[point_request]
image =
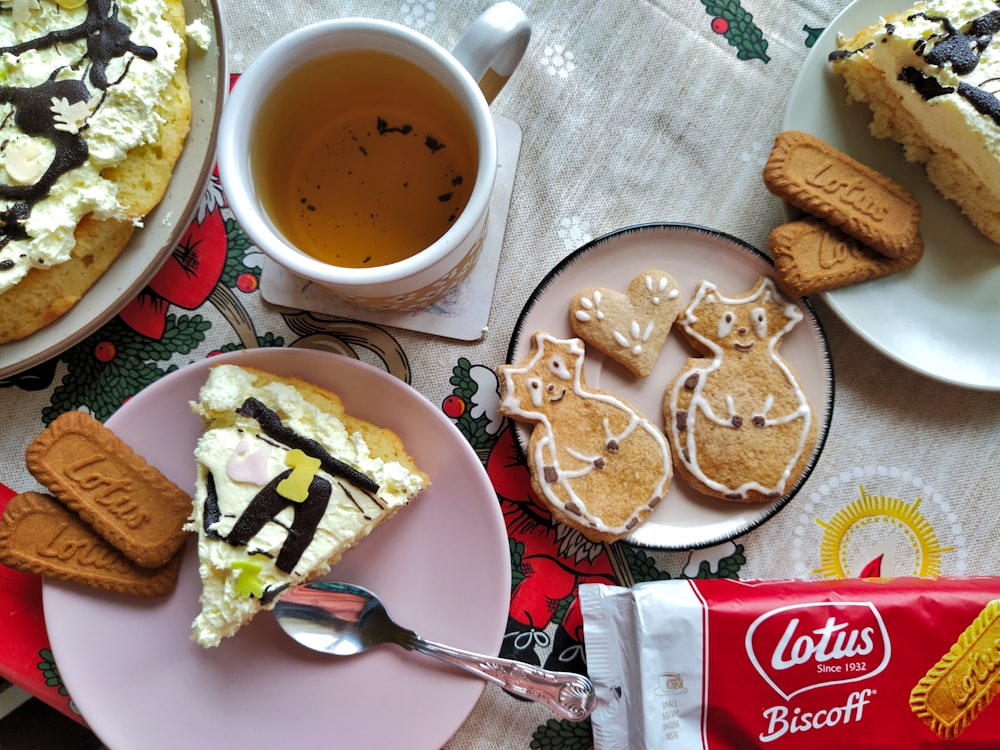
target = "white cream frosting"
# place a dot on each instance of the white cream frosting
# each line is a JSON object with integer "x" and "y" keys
{"x": 234, "y": 453}
{"x": 949, "y": 118}
{"x": 122, "y": 121}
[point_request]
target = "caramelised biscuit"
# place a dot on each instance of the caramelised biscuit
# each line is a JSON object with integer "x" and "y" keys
{"x": 810, "y": 256}
{"x": 964, "y": 681}
{"x": 96, "y": 474}
{"x": 40, "y": 535}
{"x": 823, "y": 181}
{"x": 628, "y": 327}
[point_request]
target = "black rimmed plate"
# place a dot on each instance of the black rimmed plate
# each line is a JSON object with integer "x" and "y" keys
{"x": 685, "y": 519}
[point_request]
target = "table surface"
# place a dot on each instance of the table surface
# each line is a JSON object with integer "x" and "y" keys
{"x": 630, "y": 112}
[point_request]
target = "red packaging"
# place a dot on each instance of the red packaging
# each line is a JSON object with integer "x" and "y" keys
{"x": 856, "y": 664}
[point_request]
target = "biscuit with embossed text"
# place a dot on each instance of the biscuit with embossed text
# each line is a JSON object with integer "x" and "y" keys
{"x": 40, "y": 535}
{"x": 97, "y": 475}
{"x": 810, "y": 256}
{"x": 823, "y": 181}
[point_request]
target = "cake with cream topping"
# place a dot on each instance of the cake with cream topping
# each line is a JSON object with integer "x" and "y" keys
{"x": 96, "y": 108}
{"x": 287, "y": 482}
{"x": 930, "y": 75}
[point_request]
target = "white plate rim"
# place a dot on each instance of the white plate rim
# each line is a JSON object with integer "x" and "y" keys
{"x": 767, "y": 510}
{"x": 60, "y": 599}
{"x": 817, "y": 104}
{"x": 150, "y": 245}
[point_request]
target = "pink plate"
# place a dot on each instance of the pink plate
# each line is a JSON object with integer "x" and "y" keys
{"x": 442, "y": 567}
{"x": 691, "y": 254}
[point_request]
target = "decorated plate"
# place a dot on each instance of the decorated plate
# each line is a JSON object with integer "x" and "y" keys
{"x": 685, "y": 519}
{"x": 940, "y": 317}
{"x": 441, "y": 566}
{"x": 151, "y": 245}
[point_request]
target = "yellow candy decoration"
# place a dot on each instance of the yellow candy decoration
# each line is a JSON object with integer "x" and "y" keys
{"x": 247, "y": 581}
{"x": 70, "y": 4}
{"x": 295, "y": 486}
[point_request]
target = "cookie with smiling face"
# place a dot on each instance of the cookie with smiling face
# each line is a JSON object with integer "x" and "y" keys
{"x": 599, "y": 464}
{"x": 739, "y": 423}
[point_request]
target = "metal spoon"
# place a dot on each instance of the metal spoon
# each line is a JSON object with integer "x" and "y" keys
{"x": 344, "y": 619}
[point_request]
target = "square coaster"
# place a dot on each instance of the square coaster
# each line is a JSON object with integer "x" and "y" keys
{"x": 461, "y": 314}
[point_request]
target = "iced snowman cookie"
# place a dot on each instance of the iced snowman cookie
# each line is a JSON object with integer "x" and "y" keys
{"x": 739, "y": 422}
{"x": 598, "y": 463}
{"x": 631, "y": 327}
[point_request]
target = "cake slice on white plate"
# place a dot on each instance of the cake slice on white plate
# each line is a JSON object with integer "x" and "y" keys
{"x": 930, "y": 75}
{"x": 286, "y": 483}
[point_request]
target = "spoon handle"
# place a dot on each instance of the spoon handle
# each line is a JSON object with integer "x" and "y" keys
{"x": 567, "y": 694}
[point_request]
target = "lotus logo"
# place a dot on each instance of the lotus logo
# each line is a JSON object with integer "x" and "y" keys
{"x": 806, "y": 646}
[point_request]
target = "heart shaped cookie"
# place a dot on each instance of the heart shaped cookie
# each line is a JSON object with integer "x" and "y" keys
{"x": 629, "y": 328}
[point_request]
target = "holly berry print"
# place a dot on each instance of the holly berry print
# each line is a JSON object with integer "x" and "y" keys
{"x": 732, "y": 21}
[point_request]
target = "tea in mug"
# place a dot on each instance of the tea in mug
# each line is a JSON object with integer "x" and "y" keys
{"x": 363, "y": 159}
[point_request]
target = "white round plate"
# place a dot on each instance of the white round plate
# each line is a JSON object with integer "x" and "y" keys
{"x": 685, "y": 519}
{"x": 150, "y": 245}
{"x": 940, "y": 317}
{"x": 442, "y": 567}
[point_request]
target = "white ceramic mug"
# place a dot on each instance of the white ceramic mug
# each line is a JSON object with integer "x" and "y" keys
{"x": 473, "y": 73}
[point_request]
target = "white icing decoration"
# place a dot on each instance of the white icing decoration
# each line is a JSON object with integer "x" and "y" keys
{"x": 707, "y": 293}
{"x": 726, "y": 324}
{"x": 759, "y": 316}
{"x": 546, "y": 448}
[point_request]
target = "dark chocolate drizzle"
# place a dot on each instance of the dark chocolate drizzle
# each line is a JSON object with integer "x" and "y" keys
{"x": 106, "y": 38}
{"x": 927, "y": 86}
{"x": 210, "y": 514}
{"x": 983, "y": 101}
{"x": 268, "y": 503}
{"x": 963, "y": 49}
{"x": 272, "y": 426}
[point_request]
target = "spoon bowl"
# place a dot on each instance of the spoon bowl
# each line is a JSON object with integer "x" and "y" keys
{"x": 343, "y": 619}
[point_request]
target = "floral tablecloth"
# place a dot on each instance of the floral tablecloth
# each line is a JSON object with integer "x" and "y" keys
{"x": 630, "y": 111}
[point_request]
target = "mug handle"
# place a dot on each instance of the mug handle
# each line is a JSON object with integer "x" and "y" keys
{"x": 493, "y": 45}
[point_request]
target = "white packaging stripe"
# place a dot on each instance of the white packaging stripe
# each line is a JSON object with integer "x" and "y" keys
{"x": 663, "y": 632}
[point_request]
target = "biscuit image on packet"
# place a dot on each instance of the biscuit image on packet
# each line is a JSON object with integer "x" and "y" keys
{"x": 964, "y": 682}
